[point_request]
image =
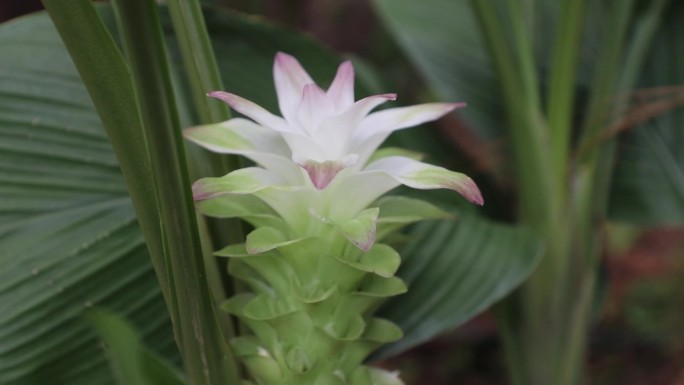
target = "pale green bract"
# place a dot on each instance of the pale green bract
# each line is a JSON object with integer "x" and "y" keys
{"x": 314, "y": 264}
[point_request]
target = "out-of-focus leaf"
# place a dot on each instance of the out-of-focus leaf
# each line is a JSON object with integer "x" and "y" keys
{"x": 68, "y": 235}
{"x": 648, "y": 185}
{"x": 442, "y": 39}
{"x": 131, "y": 362}
{"x": 454, "y": 270}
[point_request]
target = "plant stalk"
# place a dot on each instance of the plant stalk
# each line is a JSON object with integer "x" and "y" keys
{"x": 195, "y": 324}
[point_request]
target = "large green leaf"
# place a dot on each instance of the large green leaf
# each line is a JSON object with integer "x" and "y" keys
{"x": 68, "y": 235}
{"x": 454, "y": 270}
{"x": 648, "y": 186}
{"x": 442, "y": 39}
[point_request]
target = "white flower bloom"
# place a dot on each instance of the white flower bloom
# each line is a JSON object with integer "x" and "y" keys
{"x": 321, "y": 146}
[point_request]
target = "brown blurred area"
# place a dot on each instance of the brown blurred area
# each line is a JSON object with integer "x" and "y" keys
{"x": 9, "y": 9}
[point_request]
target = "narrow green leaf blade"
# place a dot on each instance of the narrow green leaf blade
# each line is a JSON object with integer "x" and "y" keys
{"x": 131, "y": 362}
{"x": 648, "y": 184}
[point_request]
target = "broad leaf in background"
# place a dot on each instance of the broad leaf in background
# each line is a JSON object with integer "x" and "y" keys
{"x": 648, "y": 186}
{"x": 454, "y": 270}
{"x": 68, "y": 235}
{"x": 442, "y": 39}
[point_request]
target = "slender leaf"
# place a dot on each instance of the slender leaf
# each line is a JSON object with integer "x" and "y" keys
{"x": 131, "y": 362}
{"x": 648, "y": 186}
{"x": 194, "y": 317}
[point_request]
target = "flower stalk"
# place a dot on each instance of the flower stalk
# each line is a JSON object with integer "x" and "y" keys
{"x": 315, "y": 264}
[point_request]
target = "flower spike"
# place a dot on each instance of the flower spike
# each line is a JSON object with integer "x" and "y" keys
{"x": 315, "y": 263}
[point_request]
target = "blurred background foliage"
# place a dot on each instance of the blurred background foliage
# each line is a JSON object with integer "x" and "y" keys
{"x": 638, "y": 338}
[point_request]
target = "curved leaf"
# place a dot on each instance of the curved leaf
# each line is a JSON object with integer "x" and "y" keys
{"x": 442, "y": 40}
{"x": 68, "y": 233}
{"x": 454, "y": 270}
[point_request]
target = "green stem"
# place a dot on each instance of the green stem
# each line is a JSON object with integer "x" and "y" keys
{"x": 602, "y": 103}
{"x": 562, "y": 90}
{"x": 646, "y": 28}
{"x": 527, "y": 130}
{"x": 195, "y": 325}
{"x": 594, "y": 173}
{"x": 203, "y": 75}
{"x": 522, "y": 25}
{"x": 198, "y": 59}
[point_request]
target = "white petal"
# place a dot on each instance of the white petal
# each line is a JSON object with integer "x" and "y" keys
{"x": 291, "y": 203}
{"x": 368, "y": 147}
{"x": 238, "y": 136}
{"x": 403, "y": 117}
{"x": 425, "y": 176}
{"x": 294, "y": 205}
{"x": 376, "y": 127}
{"x": 243, "y": 181}
{"x": 337, "y": 131}
{"x": 352, "y": 191}
{"x": 251, "y": 110}
{"x": 290, "y": 79}
{"x": 314, "y": 108}
{"x": 341, "y": 91}
{"x": 304, "y": 147}
{"x": 242, "y": 137}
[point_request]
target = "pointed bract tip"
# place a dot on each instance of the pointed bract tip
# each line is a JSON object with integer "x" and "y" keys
{"x": 366, "y": 244}
{"x": 472, "y": 193}
{"x": 346, "y": 69}
{"x": 226, "y": 97}
{"x": 280, "y": 55}
{"x": 187, "y": 132}
{"x": 198, "y": 193}
{"x": 284, "y": 59}
{"x": 454, "y": 106}
{"x": 220, "y": 95}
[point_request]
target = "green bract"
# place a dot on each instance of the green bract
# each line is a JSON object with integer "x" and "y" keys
{"x": 314, "y": 264}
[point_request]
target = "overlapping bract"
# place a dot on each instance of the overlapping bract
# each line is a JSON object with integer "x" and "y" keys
{"x": 314, "y": 264}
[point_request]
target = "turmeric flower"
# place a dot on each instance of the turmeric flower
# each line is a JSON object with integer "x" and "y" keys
{"x": 323, "y": 147}
{"x": 314, "y": 264}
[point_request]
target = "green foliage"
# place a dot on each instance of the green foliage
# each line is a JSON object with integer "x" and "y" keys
{"x": 69, "y": 237}
{"x": 68, "y": 233}
{"x": 454, "y": 270}
{"x": 648, "y": 185}
{"x": 441, "y": 40}
{"x": 556, "y": 67}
